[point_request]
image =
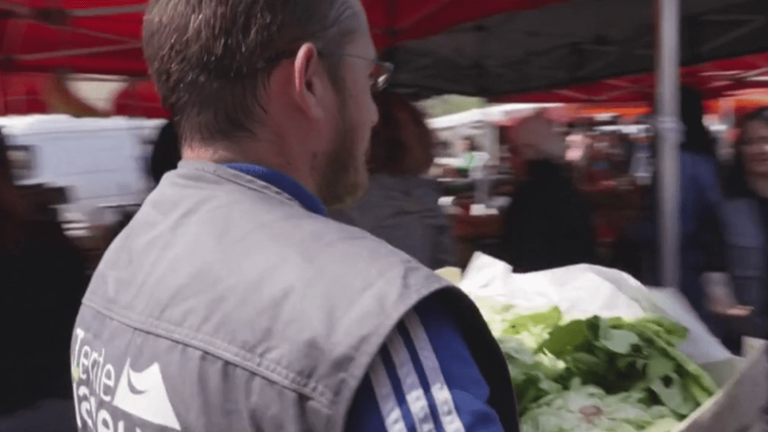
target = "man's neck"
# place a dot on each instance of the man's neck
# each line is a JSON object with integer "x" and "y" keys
{"x": 759, "y": 185}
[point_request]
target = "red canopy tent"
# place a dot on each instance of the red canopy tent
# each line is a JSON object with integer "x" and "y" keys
{"x": 21, "y": 95}
{"x": 139, "y": 99}
{"x": 395, "y": 21}
{"x": 104, "y": 37}
{"x": 716, "y": 79}
{"x": 575, "y": 43}
{"x": 96, "y": 36}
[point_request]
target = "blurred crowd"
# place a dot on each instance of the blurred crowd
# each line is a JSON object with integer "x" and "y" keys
{"x": 559, "y": 195}
{"x": 587, "y": 192}
{"x": 44, "y": 273}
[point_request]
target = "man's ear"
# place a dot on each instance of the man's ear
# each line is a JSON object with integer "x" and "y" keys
{"x": 310, "y": 80}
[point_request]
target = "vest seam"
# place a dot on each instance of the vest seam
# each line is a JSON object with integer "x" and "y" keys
{"x": 231, "y": 355}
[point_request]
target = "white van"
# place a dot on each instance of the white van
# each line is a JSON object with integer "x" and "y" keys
{"x": 100, "y": 161}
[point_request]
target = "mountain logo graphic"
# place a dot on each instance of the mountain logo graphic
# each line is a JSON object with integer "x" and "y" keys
{"x": 143, "y": 394}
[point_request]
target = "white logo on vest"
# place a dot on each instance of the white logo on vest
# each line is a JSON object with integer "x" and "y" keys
{"x": 142, "y": 394}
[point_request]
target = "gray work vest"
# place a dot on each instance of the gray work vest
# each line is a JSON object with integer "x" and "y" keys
{"x": 224, "y": 306}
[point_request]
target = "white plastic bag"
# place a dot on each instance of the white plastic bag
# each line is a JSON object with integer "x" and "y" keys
{"x": 584, "y": 290}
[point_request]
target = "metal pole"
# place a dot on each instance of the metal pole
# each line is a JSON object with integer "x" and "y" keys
{"x": 668, "y": 138}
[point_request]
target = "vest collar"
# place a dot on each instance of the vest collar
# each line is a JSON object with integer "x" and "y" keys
{"x": 282, "y": 182}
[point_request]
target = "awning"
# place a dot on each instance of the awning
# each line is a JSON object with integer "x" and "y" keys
{"x": 737, "y": 106}
{"x": 514, "y": 50}
{"x": 396, "y": 21}
{"x": 87, "y": 36}
{"x": 716, "y": 79}
{"x": 104, "y": 36}
{"x": 139, "y": 99}
{"x": 580, "y": 46}
{"x": 22, "y": 95}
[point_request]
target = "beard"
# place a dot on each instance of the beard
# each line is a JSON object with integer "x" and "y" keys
{"x": 344, "y": 175}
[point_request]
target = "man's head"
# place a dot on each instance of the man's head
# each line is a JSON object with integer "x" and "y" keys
{"x": 534, "y": 138}
{"x": 283, "y": 83}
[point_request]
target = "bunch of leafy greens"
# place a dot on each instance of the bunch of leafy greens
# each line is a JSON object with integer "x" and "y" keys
{"x": 589, "y": 408}
{"x": 632, "y": 371}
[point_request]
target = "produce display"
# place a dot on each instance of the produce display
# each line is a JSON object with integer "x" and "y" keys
{"x": 597, "y": 374}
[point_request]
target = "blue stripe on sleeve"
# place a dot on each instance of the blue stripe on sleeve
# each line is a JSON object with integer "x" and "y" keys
{"x": 386, "y": 357}
{"x": 466, "y": 387}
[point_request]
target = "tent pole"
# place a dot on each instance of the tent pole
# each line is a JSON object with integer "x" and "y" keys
{"x": 668, "y": 138}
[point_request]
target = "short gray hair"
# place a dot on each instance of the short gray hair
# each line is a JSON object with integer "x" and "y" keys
{"x": 211, "y": 59}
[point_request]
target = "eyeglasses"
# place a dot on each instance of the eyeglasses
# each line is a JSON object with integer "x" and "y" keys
{"x": 381, "y": 74}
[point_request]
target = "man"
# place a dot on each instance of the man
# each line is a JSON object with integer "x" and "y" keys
{"x": 230, "y": 302}
{"x": 549, "y": 224}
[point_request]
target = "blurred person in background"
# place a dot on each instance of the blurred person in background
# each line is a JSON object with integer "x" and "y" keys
{"x": 700, "y": 201}
{"x": 624, "y": 152}
{"x": 401, "y": 205}
{"x": 600, "y": 173}
{"x": 43, "y": 278}
{"x": 473, "y": 158}
{"x": 577, "y": 156}
{"x": 576, "y": 148}
{"x": 699, "y": 212}
{"x": 165, "y": 157}
{"x": 745, "y": 222}
{"x": 166, "y": 153}
{"x": 548, "y": 224}
{"x": 641, "y": 166}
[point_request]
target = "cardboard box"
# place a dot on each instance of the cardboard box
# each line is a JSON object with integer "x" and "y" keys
{"x": 740, "y": 404}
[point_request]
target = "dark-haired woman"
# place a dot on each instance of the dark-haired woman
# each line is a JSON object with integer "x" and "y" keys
{"x": 401, "y": 205}
{"x": 745, "y": 219}
{"x": 42, "y": 280}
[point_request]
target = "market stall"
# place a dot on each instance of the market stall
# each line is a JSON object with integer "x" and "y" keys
{"x": 557, "y": 44}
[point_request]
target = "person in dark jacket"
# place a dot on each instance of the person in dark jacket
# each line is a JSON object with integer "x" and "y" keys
{"x": 166, "y": 153}
{"x": 42, "y": 281}
{"x": 548, "y": 224}
{"x": 700, "y": 201}
{"x": 745, "y": 222}
{"x": 165, "y": 157}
